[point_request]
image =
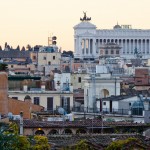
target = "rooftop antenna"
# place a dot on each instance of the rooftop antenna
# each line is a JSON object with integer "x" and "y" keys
{"x": 50, "y": 39}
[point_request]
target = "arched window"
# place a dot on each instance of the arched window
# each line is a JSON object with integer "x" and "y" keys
{"x": 39, "y": 132}
{"x": 53, "y": 131}
{"x": 67, "y": 131}
{"x": 105, "y": 93}
{"x": 82, "y": 131}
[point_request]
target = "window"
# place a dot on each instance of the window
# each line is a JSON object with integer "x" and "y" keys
{"x": 65, "y": 103}
{"x": 117, "y": 51}
{"x": 79, "y": 79}
{"x": 104, "y": 103}
{"x": 129, "y": 104}
{"x": 15, "y": 98}
{"x": 106, "y": 52}
{"x": 44, "y": 58}
{"x": 50, "y": 103}
{"x": 36, "y": 100}
{"x": 49, "y": 63}
{"x": 34, "y": 57}
{"x": 53, "y": 57}
{"x": 112, "y": 52}
{"x": 12, "y": 66}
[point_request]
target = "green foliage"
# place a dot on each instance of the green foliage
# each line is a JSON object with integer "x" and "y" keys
{"x": 119, "y": 145}
{"x": 22, "y": 143}
{"x": 3, "y": 67}
{"x": 81, "y": 145}
{"x": 41, "y": 143}
{"x": 13, "y": 128}
{"x": 7, "y": 138}
{"x": 11, "y": 140}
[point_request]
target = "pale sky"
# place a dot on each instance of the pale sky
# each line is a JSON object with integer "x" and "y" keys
{"x": 25, "y": 22}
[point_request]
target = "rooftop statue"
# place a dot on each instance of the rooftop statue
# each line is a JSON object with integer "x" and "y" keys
{"x": 85, "y": 18}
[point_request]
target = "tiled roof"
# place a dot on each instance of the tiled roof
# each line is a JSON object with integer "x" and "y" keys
{"x": 14, "y": 54}
{"x": 84, "y": 123}
{"x": 99, "y": 141}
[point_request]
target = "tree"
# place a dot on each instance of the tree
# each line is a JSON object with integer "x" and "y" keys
{"x": 3, "y": 67}
{"x": 0, "y": 48}
{"x": 22, "y": 143}
{"x": 69, "y": 53}
{"x": 23, "y": 48}
{"x": 8, "y": 46}
{"x": 18, "y": 48}
{"x": 28, "y": 47}
{"x": 7, "y": 137}
{"x": 130, "y": 143}
{"x": 5, "y": 45}
{"x": 81, "y": 145}
{"x": 41, "y": 143}
{"x": 11, "y": 140}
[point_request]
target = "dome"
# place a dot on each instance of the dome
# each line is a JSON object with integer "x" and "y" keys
{"x": 27, "y": 97}
{"x": 85, "y": 24}
{"x": 117, "y": 26}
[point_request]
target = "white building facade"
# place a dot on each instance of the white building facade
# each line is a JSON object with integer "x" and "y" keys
{"x": 88, "y": 40}
{"x": 99, "y": 86}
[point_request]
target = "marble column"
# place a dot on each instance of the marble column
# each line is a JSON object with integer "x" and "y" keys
{"x": 142, "y": 46}
{"x": 94, "y": 48}
{"x": 89, "y": 47}
{"x": 125, "y": 46}
{"x": 84, "y": 47}
{"x": 130, "y": 46}
{"x": 133, "y": 45}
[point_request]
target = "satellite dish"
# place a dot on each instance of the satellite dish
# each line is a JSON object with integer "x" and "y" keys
{"x": 61, "y": 110}
{"x": 10, "y": 115}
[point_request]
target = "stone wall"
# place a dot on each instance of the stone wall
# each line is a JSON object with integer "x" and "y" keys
{"x": 3, "y": 93}
{"x": 15, "y": 106}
